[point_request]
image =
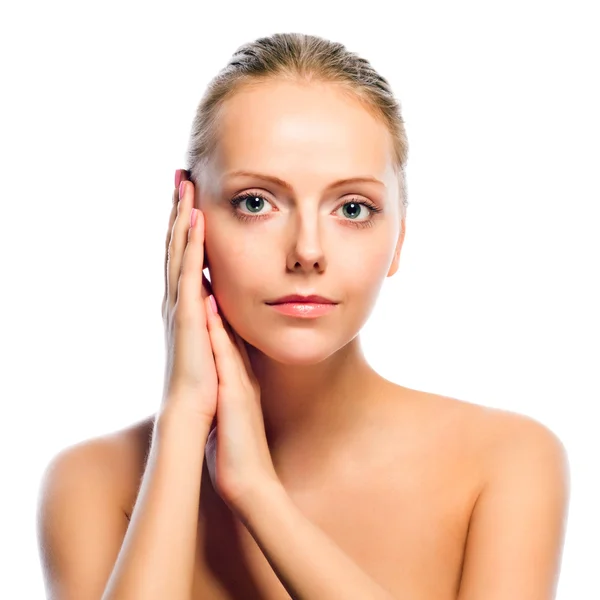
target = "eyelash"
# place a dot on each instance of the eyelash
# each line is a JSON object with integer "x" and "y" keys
{"x": 244, "y": 217}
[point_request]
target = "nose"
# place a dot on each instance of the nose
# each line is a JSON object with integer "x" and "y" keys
{"x": 306, "y": 251}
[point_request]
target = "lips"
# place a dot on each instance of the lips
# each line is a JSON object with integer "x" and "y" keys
{"x": 303, "y": 299}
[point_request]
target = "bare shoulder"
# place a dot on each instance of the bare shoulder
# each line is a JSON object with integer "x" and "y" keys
{"x": 480, "y": 441}
{"x": 81, "y": 520}
{"x": 506, "y": 433}
{"x": 128, "y": 449}
{"x": 520, "y": 445}
{"x": 502, "y": 438}
{"x": 493, "y": 426}
{"x": 520, "y": 511}
{"x": 116, "y": 460}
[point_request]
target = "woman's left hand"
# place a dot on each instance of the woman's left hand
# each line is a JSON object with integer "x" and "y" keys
{"x": 237, "y": 453}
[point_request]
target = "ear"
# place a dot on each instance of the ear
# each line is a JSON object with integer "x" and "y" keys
{"x": 396, "y": 259}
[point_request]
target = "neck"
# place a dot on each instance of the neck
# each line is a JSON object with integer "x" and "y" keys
{"x": 309, "y": 410}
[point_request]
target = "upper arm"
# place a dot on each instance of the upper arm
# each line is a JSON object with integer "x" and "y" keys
{"x": 80, "y": 522}
{"x": 517, "y": 528}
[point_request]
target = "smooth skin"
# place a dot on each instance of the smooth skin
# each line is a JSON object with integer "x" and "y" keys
{"x": 427, "y": 496}
{"x": 190, "y": 372}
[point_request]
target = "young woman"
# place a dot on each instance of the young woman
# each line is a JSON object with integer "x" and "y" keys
{"x": 280, "y": 463}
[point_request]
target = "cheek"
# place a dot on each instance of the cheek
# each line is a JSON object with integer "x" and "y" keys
{"x": 370, "y": 265}
{"x": 234, "y": 264}
{"x": 362, "y": 277}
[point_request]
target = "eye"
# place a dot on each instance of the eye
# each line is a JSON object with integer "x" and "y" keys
{"x": 354, "y": 207}
{"x": 255, "y": 201}
{"x": 252, "y": 200}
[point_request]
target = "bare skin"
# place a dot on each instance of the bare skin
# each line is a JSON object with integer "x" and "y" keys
{"x": 398, "y": 500}
{"x": 434, "y": 498}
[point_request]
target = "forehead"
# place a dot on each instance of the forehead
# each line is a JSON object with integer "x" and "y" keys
{"x": 284, "y": 128}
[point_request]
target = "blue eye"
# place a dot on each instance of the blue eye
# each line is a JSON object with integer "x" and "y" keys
{"x": 255, "y": 201}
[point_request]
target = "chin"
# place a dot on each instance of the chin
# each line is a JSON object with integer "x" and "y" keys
{"x": 301, "y": 348}
{"x": 305, "y": 359}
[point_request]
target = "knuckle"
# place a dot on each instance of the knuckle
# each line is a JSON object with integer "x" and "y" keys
{"x": 184, "y": 315}
{"x": 187, "y": 268}
{"x": 173, "y": 246}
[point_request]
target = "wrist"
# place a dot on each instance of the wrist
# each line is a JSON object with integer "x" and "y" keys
{"x": 173, "y": 417}
{"x": 261, "y": 495}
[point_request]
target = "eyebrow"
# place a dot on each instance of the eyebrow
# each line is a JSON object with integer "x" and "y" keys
{"x": 287, "y": 186}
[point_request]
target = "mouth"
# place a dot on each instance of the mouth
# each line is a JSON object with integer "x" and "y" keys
{"x": 300, "y": 299}
{"x": 304, "y": 310}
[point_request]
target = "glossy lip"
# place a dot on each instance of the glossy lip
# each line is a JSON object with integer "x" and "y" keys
{"x": 301, "y": 299}
{"x": 306, "y": 310}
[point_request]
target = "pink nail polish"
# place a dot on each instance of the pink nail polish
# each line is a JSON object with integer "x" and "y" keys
{"x": 177, "y": 177}
{"x": 213, "y": 304}
{"x": 181, "y": 189}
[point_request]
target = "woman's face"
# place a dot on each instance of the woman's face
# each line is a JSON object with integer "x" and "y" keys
{"x": 306, "y": 238}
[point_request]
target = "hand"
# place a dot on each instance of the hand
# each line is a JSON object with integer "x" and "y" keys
{"x": 190, "y": 372}
{"x": 237, "y": 453}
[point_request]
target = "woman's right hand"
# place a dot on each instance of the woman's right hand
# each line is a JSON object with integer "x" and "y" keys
{"x": 190, "y": 372}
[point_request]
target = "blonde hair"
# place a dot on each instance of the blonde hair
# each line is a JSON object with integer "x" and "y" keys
{"x": 300, "y": 58}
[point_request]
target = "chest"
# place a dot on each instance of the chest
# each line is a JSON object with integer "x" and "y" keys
{"x": 404, "y": 525}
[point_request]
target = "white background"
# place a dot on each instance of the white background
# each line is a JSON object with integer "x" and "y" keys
{"x": 496, "y": 300}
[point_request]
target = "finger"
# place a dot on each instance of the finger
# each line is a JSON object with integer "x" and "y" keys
{"x": 172, "y": 218}
{"x": 227, "y": 359}
{"x": 235, "y": 339}
{"x": 237, "y": 345}
{"x": 190, "y": 276}
{"x": 238, "y": 342}
{"x": 184, "y": 175}
{"x": 241, "y": 345}
{"x": 175, "y": 248}
{"x": 180, "y": 240}
{"x": 180, "y": 175}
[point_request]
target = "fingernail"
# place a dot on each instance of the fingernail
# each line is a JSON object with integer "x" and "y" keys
{"x": 193, "y": 217}
{"x": 213, "y": 304}
{"x": 177, "y": 177}
{"x": 181, "y": 189}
